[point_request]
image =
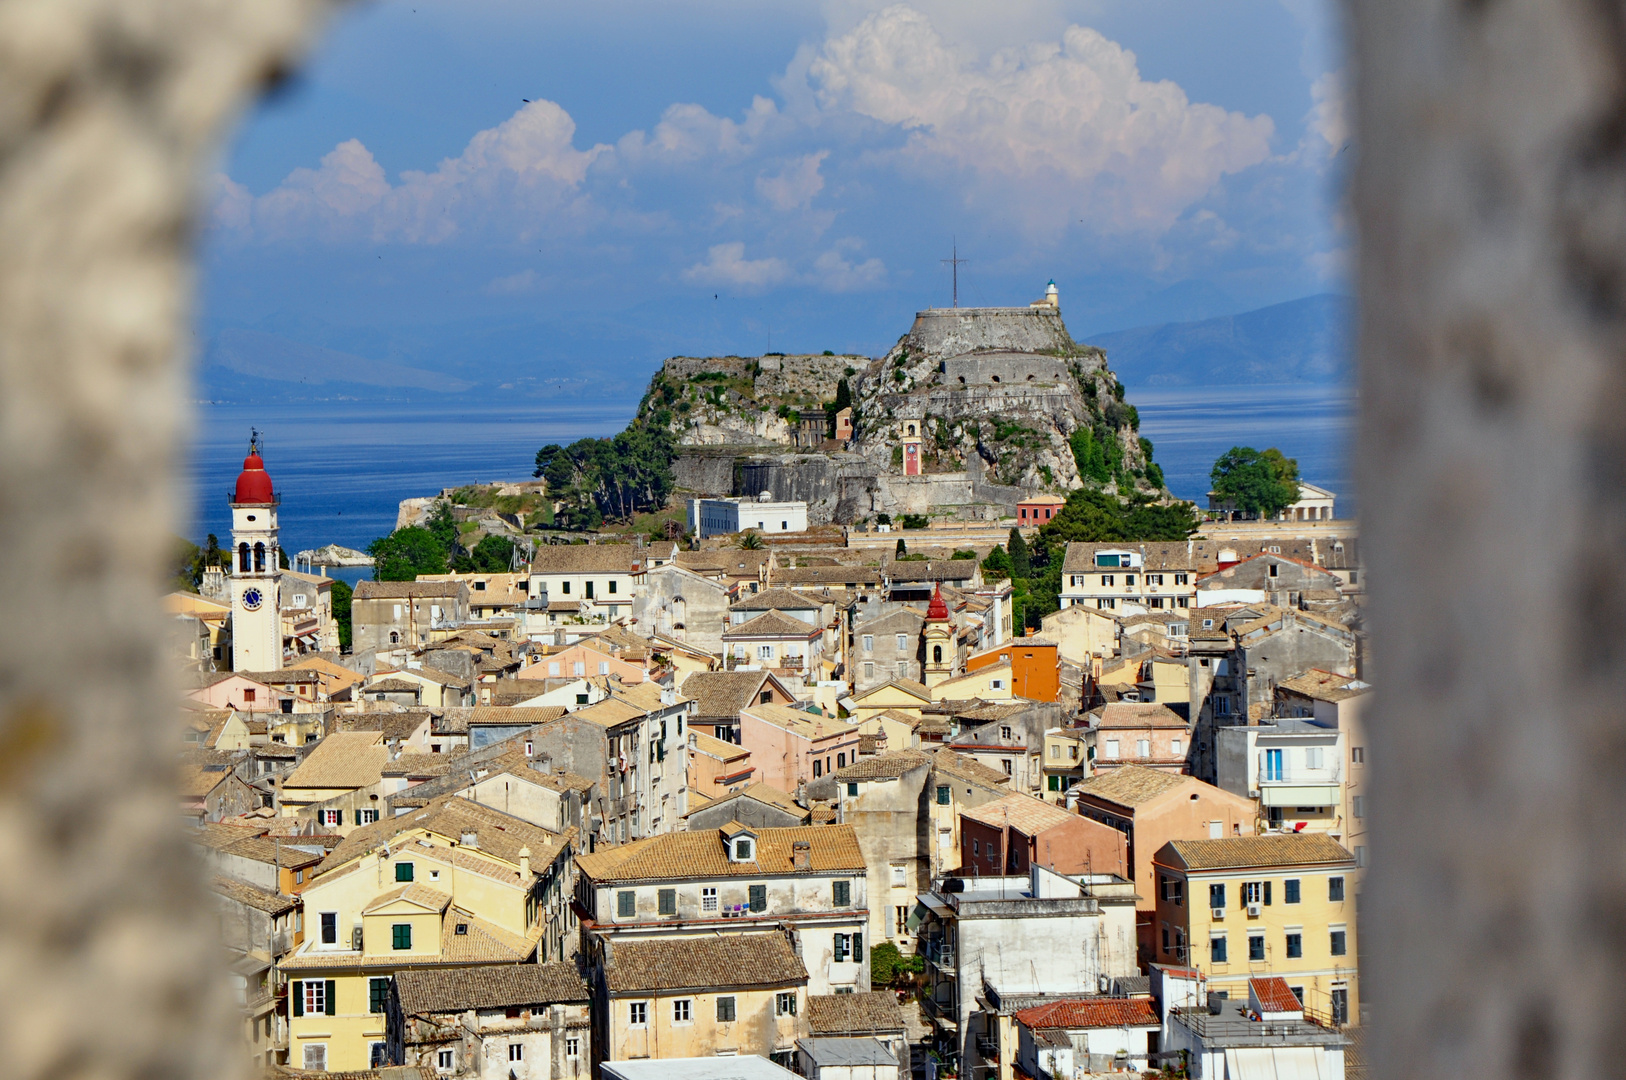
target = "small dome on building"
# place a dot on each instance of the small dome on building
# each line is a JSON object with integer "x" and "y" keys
{"x": 253, "y": 483}
{"x": 937, "y": 610}
{"x": 764, "y": 496}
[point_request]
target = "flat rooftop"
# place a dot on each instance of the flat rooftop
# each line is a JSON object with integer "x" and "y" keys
{"x": 742, "y": 1067}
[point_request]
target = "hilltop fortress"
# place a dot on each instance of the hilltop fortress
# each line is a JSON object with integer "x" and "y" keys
{"x": 971, "y": 410}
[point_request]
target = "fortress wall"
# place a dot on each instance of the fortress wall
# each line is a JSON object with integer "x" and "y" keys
{"x": 1001, "y": 368}
{"x": 952, "y": 331}
{"x": 705, "y": 471}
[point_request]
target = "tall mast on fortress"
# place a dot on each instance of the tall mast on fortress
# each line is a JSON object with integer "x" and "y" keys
{"x": 955, "y": 262}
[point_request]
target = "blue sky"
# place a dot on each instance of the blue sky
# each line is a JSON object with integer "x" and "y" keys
{"x": 724, "y": 176}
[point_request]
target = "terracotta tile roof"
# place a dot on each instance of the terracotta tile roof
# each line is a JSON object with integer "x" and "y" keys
{"x": 913, "y": 688}
{"x": 481, "y": 941}
{"x": 1326, "y": 685}
{"x": 772, "y": 624}
{"x": 497, "y": 834}
{"x": 806, "y": 724}
{"x": 434, "y": 675}
{"x": 394, "y": 726}
{"x": 883, "y": 766}
{"x": 701, "y": 854}
{"x": 590, "y": 559}
{"x": 1132, "y": 785}
{"x": 1024, "y": 813}
{"x": 420, "y": 766}
{"x": 1273, "y": 994}
{"x": 392, "y": 685}
{"x": 701, "y": 743}
{"x": 421, "y": 895}
{"x": 495, "y": 986}
{"x": 777, "y": 599}
{"x": 196, "y": 781}
{"x": 850, "y": 576}
{"x": 1245, "y": 852}
{"x": 399, "y": 590}
{"x": 964, "y": 768}
{"x": 344, "y": 759}
{"x": 1140, "y": 715}
{"x": 725, "y": 961}
{"x": 259, "y": 899}
{"x": 722, "y": 694}
{"x": 854, "y": 1014}
{"x": 1074, "y": 1013}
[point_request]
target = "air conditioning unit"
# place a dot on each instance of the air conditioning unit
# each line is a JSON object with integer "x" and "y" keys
{"x": 1253, "y": 911}
{"x": 1218, "y": 914}
{"x": 356, "y": 938}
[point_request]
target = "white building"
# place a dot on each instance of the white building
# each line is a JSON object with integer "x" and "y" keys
{"x": 1295, "y": 768}
{"x": 1314, "y": 504}
{"x": 721, "y": 517}
{"x": 256, "y": 578}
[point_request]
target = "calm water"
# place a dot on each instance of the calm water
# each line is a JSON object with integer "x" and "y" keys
{"x": 342, "y": 468}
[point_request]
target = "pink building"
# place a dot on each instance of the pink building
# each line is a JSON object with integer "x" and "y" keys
{"x": 789, "y": 746}
{"x": 1140, "y": 733}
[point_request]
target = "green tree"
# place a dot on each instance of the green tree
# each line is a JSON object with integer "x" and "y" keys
{"x": 1257, "y": 482}
{"x": 341, "y": 611}
{"x": 492, "y": 555}
{"x": 915, "y": 521}
{"x": 844, "y": 395}
{"x": 595, "y": 479}
{"x": 1097, "y": 516}
{"x": 406, "y": 553}
{"x": 903, "y": 549}
{"x": 749, "y": 540}
{"x": 997, "y": 565}
{"x": 186, "y": 564}
{"x": 1021, "y": 565}
{"x": 964, "y": 553}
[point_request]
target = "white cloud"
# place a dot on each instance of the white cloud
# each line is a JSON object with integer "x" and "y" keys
{"x": 796, "y": 183}
{"x": 1063, "y": 128}
{"x": 1329, "y": 116}
{"x": 726, "y": 264}
{"x": 513, "y": 177}
{"x": 833, "y": 273}
{"x": 690, "y": 132}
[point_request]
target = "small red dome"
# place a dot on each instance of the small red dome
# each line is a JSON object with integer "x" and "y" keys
{"x": 937, "y": 610}
{"x": 253, "y": 483}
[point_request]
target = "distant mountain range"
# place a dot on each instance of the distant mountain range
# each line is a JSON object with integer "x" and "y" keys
{"x": 1302, "y": 341}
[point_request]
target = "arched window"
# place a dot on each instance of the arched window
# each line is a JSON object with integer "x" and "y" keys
{"x": 242, "y": 557}
{"x": 395, "y": 638}
{"x": 937, "y": 654}
{"x": 911, "y": 429}
{"x": 259, "y": 556}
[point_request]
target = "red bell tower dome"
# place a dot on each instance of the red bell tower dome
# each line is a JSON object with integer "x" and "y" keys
{"x": 253, "y": 483}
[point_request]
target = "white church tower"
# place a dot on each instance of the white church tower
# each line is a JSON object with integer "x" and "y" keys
{"x": 256, "y": 579}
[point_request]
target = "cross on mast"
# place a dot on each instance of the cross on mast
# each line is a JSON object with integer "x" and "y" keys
{"x": 955, "y": 262}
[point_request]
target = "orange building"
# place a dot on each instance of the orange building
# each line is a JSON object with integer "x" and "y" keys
{"x": 1035, "y": 668}
{"x": 1038, "y": 509}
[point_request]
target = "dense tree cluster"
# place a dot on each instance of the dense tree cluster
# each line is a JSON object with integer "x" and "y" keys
{"x": 1258, "y": 482}
{"x": 597, "y": 479}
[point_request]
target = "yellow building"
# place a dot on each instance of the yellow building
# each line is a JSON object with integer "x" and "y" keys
{"x": 902, "y": 695}
{"x": 699, "y": 997}
{"x": 992, "y": 683}
{"x": 1064, "y": 760}
{"x": 1246, "y": 906}
{"x": 455, "y": 884}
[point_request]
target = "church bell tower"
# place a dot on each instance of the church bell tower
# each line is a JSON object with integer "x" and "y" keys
{"x": 938, "y": 633}
{"x": 256, "y": 577}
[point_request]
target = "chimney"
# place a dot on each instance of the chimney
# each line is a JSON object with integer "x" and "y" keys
{"x": 470, "y": 839}
{"x": 524, "y": 865}
{"x": 801, "y": 855}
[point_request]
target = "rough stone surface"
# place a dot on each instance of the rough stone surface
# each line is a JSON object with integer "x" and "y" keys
{"x": 110, "y": 111}
{"x": 1491, "y": 199}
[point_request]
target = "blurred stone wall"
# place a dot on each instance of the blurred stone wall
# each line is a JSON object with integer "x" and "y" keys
{"x": 111, "y": 113}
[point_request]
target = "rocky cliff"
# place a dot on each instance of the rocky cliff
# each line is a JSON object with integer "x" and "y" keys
{"x": 1006, "y": 401}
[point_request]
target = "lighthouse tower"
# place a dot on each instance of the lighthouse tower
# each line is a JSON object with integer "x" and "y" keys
{"x": 256, "y": 578}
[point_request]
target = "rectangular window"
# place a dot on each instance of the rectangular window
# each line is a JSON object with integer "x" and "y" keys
{"x": 330, "y": 928}
{"x": 869, "y": 643}
{"x": 903, "y": 643}
{"x": 1295, "y": 946}
{"x": 843, "y": 893}
{"x": 638, "y": 1013}
{"x": 1217, "y": 950}
{"x": 725, "y": 1009}
{"x": 759, "y": 897}
{"x": 1312, "y": 757}
{"x": 1290, "y": 891}
{"x": 366, "y": 817}
{"x": 1112, "y": 749}
{"x": 666, "y": 900}
{"x": 573, "y": 1047}
{"x": 378, "y": 995}
{"x": 1143, "y": 748}
{"x": 1359, "y": 806}
{"x": 333, "y": 817}
{"x": 869, "y": 670}
{"x": 1129, "y": 579}
{"x": 626, "y": 904}
{"x": 403, "y": 871}
{"x": 818, "y": 768}
{"x": 612, "y": 587}
{"x": 1360, "y": 856}
{"x": 445, "y": 1060}
{"x": 682, "y": 1011}
{"x": 401, "y": 936}
{"x": 1216, "y": 896}
{"x": 516, "y": 1051}
{"x": 852, "y": 787}
{"x": 1273, "y": 763}
{"x": 1177, "y": 747}
{"x": 316, "y": 1057}
{"x": 314, "y": 997}
{"x": 1107, "y": 579}
{"x": 708, "y": 898}
{"x": 764, "y": 652}
{"x": 942, "y": 795}
{"x": 1339, "y": 943}
{"x": 784, "y": 1004}
{"x": 553, "y": 667}
{"x": 841, "y": 763}
{"x": 1253, "y": 892}
{"x": 1256, "y": 946}
{"x": 900, "y": 920}
{"x": 1357, "y": 755}
{"x": 603, "y": 667}
{"x": 1335, "y": 889}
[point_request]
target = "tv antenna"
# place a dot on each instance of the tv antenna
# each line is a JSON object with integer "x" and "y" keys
{"x": 954, "y": 261}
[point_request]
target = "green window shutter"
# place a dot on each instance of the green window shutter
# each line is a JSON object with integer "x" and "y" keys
{"x": 626, "y": 904}
{"x": 1267, "y": 894}
{"x": 668, "y": 901}
{"x": 403, "y": 871}
{"x": 401, "y": 935}
{"x": 332, "y": 997}
{"x": 297, "y": 989}
{"x": 858, "y": 948}
{"x": 759, "y": 898}
{"x": 843, "y": 890}
{"x": 942, "y": 795}
{"x": 378, "y": 995}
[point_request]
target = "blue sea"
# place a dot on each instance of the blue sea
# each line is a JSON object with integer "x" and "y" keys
{"x": 342, "y": 468}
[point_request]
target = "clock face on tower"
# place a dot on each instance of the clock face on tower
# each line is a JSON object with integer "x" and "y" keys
{"x": 253, "y": 598}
